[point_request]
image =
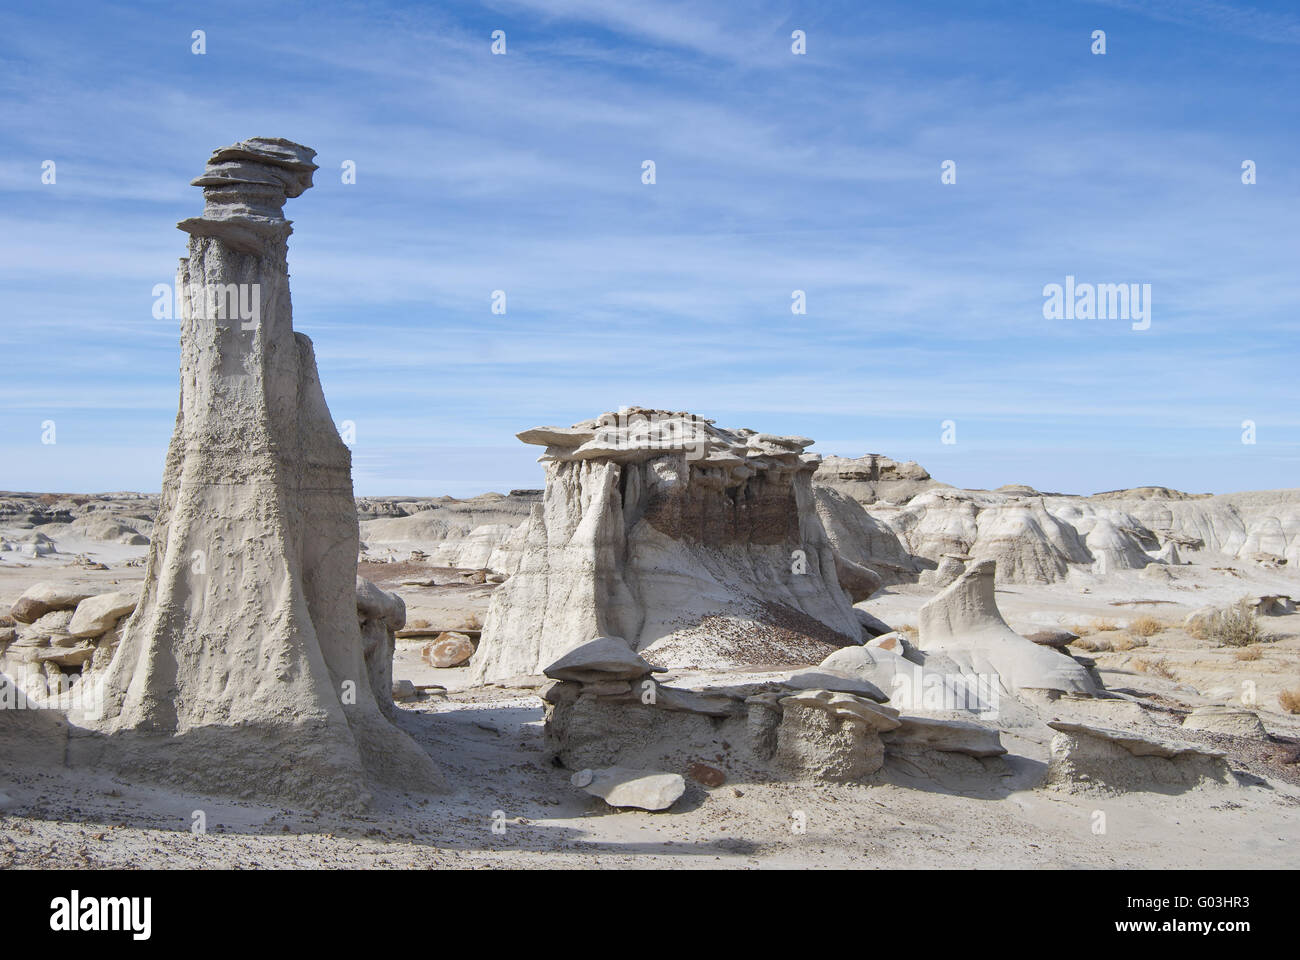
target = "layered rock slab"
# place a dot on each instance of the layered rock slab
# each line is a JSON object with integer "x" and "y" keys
{"x": 1087, "y": 758}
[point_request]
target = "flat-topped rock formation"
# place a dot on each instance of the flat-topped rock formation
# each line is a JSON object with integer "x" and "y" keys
{"x": 690, "y": 541}
{"x": 243, "y": 666}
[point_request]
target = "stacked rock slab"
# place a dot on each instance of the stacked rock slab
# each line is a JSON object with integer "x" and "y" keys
{"x": 243, "y": 665}
{"x": 1086, "y": 758}
{"x": 657, "y": 526}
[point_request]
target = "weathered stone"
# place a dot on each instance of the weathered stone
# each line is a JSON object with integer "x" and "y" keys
{"x": 846, "y": 706}
{"x": 964, "y": 624}
{"x": 52, "y": 624}
{"x": 67, "y": 656}
{"x": 380, "y": 604}
{"x": 604, "y": 658}
{"x": 815, "y": 743}
{"x": 1086, "y": 758}
{"x": 822, "y": 678}
{"x": 252, "y": 677}
{"x": 1059, "y": 639}
{"x": 623, "y": 787}
{"x": 611, "y": 688}
{"x": 945, "y": 736}
{"x": 98, "y": 615}
{"x": 1235, "y": 721}
{"x": 448, "y": 650}
{"x": 686, "y": 539}
{"x": 42, "y": 598}
{"x": 887, "y": 641}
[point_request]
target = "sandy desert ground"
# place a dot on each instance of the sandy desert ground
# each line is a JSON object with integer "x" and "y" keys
{"x": 489, "y": 741}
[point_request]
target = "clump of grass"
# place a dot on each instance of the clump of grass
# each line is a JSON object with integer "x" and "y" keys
{"x": 908, "y": 629}
{"x": 1103, "y": 626}
{"x": 1290, "y": 700}
{"x": 1123, "y": 642}
{"x": 1080, "y": 629}
{"x": 1145, "y": 626}
{"x": 1249, "y": 653}
{"x": 1157, "y": 668}
{"x": 1094, "y": 644}
{"x": 1234, "y": 626}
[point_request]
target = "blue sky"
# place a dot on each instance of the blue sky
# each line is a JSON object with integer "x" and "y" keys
{"x": 775, "y": 172}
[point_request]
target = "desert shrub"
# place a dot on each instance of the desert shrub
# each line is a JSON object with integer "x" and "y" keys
{"x": 1249, "y": 653}
{"x": 1235, "y": 626}
{"x": 1145, "y": 626}
{"x": 1094, "y": 644}
{"x": 1102, "y": 626}
{"x": 1157, "y": 668}
{"x": 1122, "y": 641}
{"x": 908, "y": 629}
{"x": 1290, "y": 700}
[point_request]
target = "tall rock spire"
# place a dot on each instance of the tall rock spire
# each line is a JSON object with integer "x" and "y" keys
{"x": 242, "y": 667}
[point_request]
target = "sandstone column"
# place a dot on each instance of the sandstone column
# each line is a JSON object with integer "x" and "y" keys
{"x": 242, "y": 667}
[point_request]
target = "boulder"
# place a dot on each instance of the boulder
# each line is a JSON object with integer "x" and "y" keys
{"x": 98, "y": 615}
{"x": 448, "y": 650}
{"x": 624, "y": 787}
{"x": 41, "y": 598}
{"x": 67, "y": 656}
{"x": 604, "y": 658}
{"x": 47, "y": 625}
{"x": 846, "y": 706}
{"x": 1060, "y": 639}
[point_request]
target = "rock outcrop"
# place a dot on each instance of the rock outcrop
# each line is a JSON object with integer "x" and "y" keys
{"x": 963, "y": 623}
{"x": 380, "y": 615}
{"x": 696, "y": 544}
{"x": 243, "y": 666}
{"x": 1086, "y": 758}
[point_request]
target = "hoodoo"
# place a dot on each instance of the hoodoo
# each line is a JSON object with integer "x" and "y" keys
{"x": 243, "y": 666}
{"x": 695, "y": 544}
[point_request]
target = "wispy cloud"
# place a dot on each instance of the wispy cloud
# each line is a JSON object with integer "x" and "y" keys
{"x": 774, "y": 173}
